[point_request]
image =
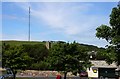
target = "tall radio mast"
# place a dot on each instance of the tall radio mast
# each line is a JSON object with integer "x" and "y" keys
{"x": 29, "y": 26}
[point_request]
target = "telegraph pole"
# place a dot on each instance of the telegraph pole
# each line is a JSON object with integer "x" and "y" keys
{"x": 29, "y": 26}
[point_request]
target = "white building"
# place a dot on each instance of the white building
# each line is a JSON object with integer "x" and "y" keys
{"x": 101, "y": 69}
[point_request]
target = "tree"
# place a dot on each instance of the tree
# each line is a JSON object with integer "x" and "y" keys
{"x": 112, "y": 35}
{"x": 67, "y": 57}
{"x": 15, "y": 58}
{"x": 38, "y": 52}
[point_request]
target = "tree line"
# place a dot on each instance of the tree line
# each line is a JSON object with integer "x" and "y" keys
{"x": 62, "y": 56}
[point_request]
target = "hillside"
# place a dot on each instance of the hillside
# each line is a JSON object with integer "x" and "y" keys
{"x": 13, "y": 42}
{"x": 83, "y": 46}
{"x": 90, "y": 49}
{"x": 22, "y": 42}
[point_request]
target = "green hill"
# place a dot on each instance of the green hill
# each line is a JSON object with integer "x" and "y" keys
{"x": 22, "y": 42}
{"x": 13, "y": 42}
{"x": 84, "y": 47}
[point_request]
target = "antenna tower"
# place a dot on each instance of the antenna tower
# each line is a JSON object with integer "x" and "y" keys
{"x": 29, "y": 26}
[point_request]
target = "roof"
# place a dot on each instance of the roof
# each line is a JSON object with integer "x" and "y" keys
{"x": 103, "y": 64}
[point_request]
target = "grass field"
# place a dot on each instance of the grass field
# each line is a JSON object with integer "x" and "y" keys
{"x": 22, "y": 42}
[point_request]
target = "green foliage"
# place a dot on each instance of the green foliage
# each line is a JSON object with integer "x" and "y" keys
{"x": 24, "y": 56}
{"x": 101, "y": 54}
{"x": 67, "y": 57}
{"x": 39, "y": 54}
{"x": 15, "y": 58}
{"x": 37, "y": 51}
{"x": 112, "y": 35}
{"x": 104, "y": 32}
{"x": 97, "y": 53}
{"x": 110, "y": 55}
{"x": 115, "y": 17}
{"x": 40, "y": 66}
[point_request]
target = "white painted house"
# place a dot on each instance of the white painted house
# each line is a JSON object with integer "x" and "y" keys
{"x": 101, "y": 69}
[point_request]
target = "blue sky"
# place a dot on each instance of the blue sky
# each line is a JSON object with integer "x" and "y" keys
{"x": 53, "y": 21}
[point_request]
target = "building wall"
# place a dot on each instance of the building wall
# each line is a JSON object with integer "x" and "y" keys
{"x": 92, "y": 72}
{"x": 100, "y": 66}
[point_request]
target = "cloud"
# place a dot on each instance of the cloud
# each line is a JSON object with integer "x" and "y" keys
{"x": 64, "y": 16}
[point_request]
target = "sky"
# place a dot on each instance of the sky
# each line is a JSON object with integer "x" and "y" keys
{"x": 55, "y": 21}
